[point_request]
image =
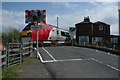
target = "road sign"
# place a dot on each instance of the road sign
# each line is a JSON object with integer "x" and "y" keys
{"x": 35, "y": 16}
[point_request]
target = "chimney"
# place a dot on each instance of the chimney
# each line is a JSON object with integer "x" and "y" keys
{"x": 86, "y": 19}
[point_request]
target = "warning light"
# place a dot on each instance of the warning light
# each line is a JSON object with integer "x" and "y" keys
{"x": 44, "y": 21}
{"x": 34, "y": 18}
{"x": 44, "y": 10}
{"x": 38, "y": 13}
{"x": 29, "y": 13}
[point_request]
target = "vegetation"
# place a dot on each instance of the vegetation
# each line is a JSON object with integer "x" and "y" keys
{"x": 10, "y": 36}
{"x": 14, "y": 72}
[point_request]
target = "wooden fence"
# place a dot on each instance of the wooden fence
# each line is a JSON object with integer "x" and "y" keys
{"x": 15, "y": 53}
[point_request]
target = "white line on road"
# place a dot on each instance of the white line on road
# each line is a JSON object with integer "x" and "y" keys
{"x": 48, "y": 53}
{"x": 64, "y": 60}
{"x": 41, "y": 59}
{"x": 99, "y": 51}
{"x": 105, "y": 64}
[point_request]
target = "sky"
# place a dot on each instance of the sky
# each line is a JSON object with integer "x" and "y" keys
{"x": 69, "y": 13}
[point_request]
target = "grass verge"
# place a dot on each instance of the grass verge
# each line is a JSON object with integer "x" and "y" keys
{"x": 13, "y": 72}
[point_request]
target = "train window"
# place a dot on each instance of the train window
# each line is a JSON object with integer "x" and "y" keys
{"x": 52, "y": 30}
{"x": 62, "y": 33}
{"x": 26, "y": 28}
{"x": 65, "y": 34}
{"x": 57, "y": 32}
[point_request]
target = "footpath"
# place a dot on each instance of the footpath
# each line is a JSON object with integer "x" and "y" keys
{"x": 35, "y": 69}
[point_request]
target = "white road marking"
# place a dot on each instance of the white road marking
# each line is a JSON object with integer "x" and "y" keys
{"x": 54, "y": 60}
{"x": 113, "y": 67}
{"x": 96, "y": 50}
{"x": 41, "y": 59}
{"x": 48, "y": 53}
{"x": 101, "y": 52}
{"x": 75, "y": 47}
{"x": 105, "y": 64}
{"x": 64, "y": 60}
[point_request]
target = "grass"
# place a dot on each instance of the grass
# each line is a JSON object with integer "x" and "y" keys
{"x": 13, "y": 72}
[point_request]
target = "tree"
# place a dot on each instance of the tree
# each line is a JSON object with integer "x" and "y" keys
{"x": 12, "y": 36}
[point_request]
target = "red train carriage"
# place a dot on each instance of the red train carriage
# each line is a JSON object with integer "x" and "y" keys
{"x": 49, "y": 34}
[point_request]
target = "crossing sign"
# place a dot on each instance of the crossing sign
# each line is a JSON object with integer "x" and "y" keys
{"x": 35, "y": 16}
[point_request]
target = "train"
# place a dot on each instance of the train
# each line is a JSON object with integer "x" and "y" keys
{"x": 47, "y": 34}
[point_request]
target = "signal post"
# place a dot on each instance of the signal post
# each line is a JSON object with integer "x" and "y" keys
{"x": 35, "y": 17}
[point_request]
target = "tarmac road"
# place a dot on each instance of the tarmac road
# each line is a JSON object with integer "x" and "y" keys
{"x": 77, "y": 62}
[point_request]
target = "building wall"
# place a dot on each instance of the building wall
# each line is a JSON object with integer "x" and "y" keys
{"x": 105, "y": 32}
{"x": 92, "y": 30}
{"x": 84, "y": 29}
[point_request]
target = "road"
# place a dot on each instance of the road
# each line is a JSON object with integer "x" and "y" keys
{"x": 77, "y": 62}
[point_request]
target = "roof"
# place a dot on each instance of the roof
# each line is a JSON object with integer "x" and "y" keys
{"x": 99, "y": 22}
{"x": 84, "y": 22}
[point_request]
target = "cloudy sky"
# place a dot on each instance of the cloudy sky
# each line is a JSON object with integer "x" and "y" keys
{"x": 69, "y": 13}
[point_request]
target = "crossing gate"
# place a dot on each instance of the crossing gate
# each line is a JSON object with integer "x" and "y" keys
{"x": 15, "y": 53}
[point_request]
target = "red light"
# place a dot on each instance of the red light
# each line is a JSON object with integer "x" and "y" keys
{"x": 44, "y": 21}
{"x": 39, "y": 13}
{"x": 44, "y": 16}
{"x": 29, "y": 13}
{"x": 32, "y": 22}
{"x": 26, "y": 21}
{"x": 44, "y": 10}
{"x": 32, "y": 10}
{"x": 26, "y": 11}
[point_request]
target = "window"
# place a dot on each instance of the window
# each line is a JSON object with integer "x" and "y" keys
{"x": 62, "y": 33}
{"x": 27, "y": 28}
{"x": 65, "y": 34}
{"x": 114, "y": 40}
{"x": 100, "y": 27}
{"x": 57, "y": 32}
{"x": 84, "y": 39}
{"x": 96, "y": 39}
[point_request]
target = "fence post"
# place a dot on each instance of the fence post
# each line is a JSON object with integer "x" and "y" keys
{"x": 114, "y": 47}
{"x": 21, "y": 45}
{"x": 8, "y": 54}
{"x": 29, "y": 48}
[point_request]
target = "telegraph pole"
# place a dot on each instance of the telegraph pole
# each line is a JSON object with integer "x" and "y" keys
{"x": 57, "y": 21}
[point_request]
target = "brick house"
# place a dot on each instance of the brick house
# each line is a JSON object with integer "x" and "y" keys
{"x": 95, "y": 33}
{"x": 92, "y": 33}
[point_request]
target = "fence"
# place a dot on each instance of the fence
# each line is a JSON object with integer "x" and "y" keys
{"x": 15, "y": 53}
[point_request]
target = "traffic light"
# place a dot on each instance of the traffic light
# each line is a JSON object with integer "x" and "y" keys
{"x": 35, "y": 16}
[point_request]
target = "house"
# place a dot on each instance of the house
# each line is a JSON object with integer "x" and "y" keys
{"x": 92, "y": 33}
